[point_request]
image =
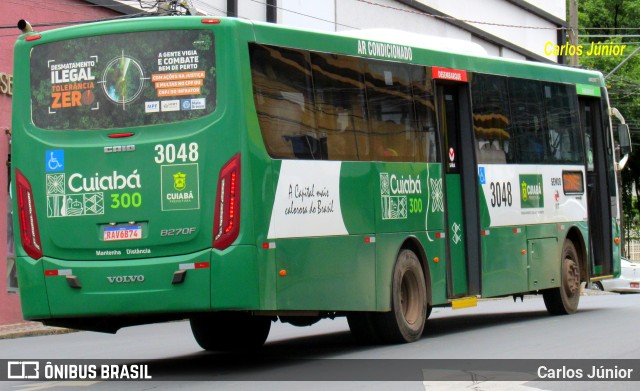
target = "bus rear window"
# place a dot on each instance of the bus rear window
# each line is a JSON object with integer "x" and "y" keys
{"x": 123, "y": 80}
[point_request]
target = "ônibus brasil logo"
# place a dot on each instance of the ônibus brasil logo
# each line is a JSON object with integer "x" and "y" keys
{"x": 531, "y": 191}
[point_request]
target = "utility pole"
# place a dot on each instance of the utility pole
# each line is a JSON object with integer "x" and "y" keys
{"x": 573, "y": 30}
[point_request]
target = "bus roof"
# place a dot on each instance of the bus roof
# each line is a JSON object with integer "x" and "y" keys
{"x": 423, "y": 41}
{"x": 429, "y": 50}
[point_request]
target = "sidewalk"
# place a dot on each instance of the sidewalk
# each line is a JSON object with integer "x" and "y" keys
{"x": 29, "y": 329}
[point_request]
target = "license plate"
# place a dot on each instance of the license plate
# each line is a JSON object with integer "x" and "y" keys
{"x": 127, "y": 232}
{"x": 635, "y": 284}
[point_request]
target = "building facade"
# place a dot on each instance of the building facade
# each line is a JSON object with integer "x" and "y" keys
{"x": 43, "y": 16}
{"x": 508, "y": 28}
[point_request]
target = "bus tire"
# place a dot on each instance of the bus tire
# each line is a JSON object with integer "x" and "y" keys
{"x": 406, "y": 320}
{"x": 229, "y": 331}
{"x": 564, "y": 299}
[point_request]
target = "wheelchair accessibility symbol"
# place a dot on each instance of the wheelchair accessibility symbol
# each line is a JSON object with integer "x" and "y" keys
{"x": 55, "y": 160}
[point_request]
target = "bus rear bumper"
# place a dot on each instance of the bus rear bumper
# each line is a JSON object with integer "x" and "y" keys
{"x": 52, "y": 288}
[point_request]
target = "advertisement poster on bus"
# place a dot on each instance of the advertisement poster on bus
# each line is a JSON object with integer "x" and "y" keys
{"x": 123, "y": 80}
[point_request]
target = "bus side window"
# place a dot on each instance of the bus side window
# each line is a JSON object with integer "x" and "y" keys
{"x": 340, "y": 105}
{"x": 491, "y": 123}
{"x": 528, "y": 121}
{"x": 392, "y": 119}
{"x": 564, "y": 136}
{"x": 426, "y": 137}
{"x": 283, "y": 95}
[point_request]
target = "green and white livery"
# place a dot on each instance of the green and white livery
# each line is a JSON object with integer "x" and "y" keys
{"x": 238, "y": 173}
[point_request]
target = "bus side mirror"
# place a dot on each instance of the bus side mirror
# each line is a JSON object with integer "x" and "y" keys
{"x": 624, "y": 138}
{"x": 624, "y": 141}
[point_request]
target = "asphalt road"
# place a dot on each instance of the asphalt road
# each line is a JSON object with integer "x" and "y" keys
{"x": 604, "y": 329}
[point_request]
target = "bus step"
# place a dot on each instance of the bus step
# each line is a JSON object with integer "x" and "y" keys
{"x": 464, "y": 302}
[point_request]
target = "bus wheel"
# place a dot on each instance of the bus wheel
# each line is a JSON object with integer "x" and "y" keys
{"x": 408, "y": 315}
{"x": 564, "y": 300}
{"x": 230, "y": 330}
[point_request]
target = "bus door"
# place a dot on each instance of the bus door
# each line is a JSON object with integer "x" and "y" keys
{"x": 462, "y": 217}
{"x": 600, "y": 183}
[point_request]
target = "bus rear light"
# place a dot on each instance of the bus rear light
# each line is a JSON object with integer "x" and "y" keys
{"x": 121, "y": 135}
{"x": 227, "y": 206}
{"x": 29, "y": 232}
{"x": 33, "y": 37}
{"x": 210, "y": 21}
{"x": 196, "y": 265}
{"x": 180, "y": 275}
{"x": 58, "y": 272}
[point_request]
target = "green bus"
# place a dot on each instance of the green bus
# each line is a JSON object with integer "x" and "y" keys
{"x": 238, "y": 173}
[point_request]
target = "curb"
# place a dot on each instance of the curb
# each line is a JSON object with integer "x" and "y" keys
{"x": 30, "y": 329}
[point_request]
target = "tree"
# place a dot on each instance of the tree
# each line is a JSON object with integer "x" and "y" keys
{"x": 611, "y": 22}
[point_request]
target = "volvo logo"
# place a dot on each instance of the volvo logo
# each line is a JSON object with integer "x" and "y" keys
{"x": 125, "y": 279}
{"x": 120, "y": 148}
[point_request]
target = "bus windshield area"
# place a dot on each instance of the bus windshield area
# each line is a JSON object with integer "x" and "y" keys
{"x": 123, "y": 80}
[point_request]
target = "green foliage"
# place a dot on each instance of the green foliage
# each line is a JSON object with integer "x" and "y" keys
{"x": 616, "y": 18}
{"x": 608, "y": 15}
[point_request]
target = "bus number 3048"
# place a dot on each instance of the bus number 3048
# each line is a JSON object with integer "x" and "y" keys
{"x": 501, "y": 194}
{"x": 170, "y": 153}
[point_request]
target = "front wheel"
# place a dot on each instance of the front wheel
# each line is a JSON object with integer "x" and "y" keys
{"x": 230, "y": 331}
{"x": 408, "y": 315}
{"x": 564, "y": 300}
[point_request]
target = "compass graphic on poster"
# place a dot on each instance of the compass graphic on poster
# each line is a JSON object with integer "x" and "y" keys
{"x": 122, "y": 80}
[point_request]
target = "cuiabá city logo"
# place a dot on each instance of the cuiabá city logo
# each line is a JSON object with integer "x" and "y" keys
{"x": 531, "y": 191}
{"x": 179, "y": 181}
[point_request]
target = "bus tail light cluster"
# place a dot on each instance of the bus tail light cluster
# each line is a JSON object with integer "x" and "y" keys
{"x": 227, "y": 206}
{"x": 29, "y": 232}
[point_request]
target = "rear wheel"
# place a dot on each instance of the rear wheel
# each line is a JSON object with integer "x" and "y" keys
{"x": 408, "y": 315}
{"x": 230, "y": 330}
{"x": 564, "y": 300}
{"x": 597, "y": 286}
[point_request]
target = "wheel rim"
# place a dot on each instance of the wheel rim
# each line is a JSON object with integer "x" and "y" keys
{"x": 409, "y": 302}
{"x": 571, "y": 277}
